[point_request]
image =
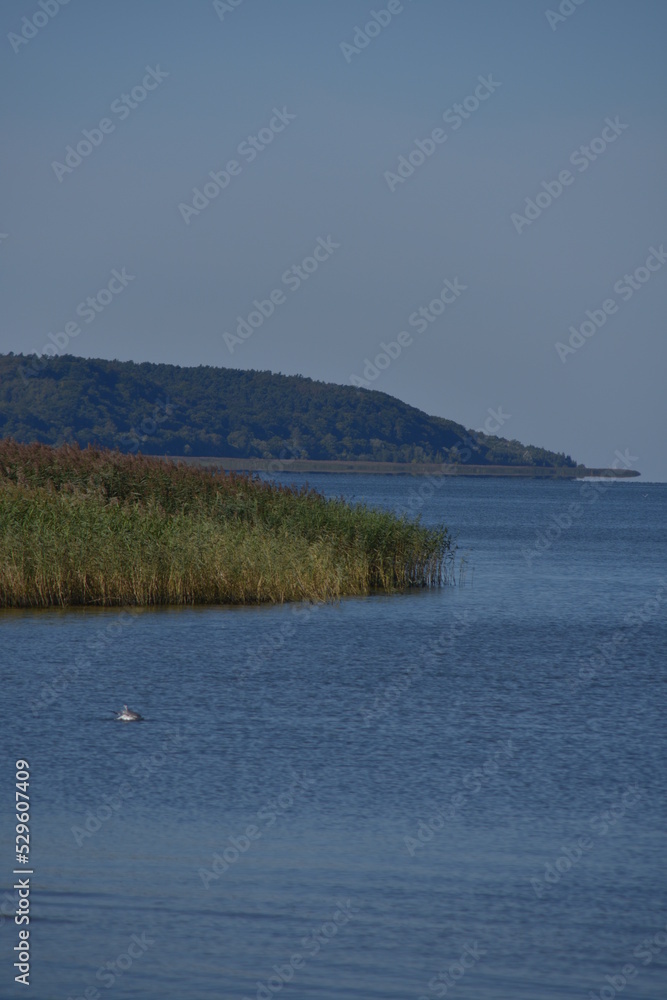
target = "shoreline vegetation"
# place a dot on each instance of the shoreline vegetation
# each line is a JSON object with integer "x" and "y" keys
{"x": 98, "y": 527}
{"x": 279, "y": 465}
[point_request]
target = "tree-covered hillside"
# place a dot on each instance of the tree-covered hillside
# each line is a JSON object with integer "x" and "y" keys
{"x": 165, "y": 409}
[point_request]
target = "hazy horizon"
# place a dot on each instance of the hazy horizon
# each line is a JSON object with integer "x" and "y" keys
{"x": 362, "y": 176}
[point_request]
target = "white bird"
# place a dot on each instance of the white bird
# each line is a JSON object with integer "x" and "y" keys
{"x": 127, "y": 715}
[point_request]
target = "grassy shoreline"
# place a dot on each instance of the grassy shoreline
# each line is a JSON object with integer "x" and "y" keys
{"x": 358, "y": 467}
{"x": 96, "y": 527}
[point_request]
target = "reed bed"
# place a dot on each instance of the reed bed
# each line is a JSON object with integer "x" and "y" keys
{"x": 99, "y": 527}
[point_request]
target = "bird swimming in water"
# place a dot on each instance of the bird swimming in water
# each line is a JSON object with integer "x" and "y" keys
{"x": 127, "y": 715}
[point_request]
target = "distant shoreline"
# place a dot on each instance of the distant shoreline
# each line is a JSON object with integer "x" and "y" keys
{"x": 277, "y": 465}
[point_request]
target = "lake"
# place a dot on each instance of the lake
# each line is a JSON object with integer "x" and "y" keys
{"x": 457, "y": 792}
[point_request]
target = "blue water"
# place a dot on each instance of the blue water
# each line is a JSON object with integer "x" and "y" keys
{"x": 324, "y": 740}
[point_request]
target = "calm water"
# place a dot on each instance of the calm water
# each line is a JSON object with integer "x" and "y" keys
{"x": 324, "y": 742}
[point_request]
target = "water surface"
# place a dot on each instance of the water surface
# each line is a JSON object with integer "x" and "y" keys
{"x": 337, "y": 734}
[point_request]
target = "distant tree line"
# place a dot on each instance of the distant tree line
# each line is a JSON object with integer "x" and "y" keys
{"x": 165, "y": 409}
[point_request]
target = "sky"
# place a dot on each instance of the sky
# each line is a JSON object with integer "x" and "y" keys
{"x": 285, "y": 184}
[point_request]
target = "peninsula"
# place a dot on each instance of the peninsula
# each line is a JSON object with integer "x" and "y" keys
{"x": 250, "y": 420}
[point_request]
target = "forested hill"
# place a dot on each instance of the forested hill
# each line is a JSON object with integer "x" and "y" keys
{"x": 165, "y": 409}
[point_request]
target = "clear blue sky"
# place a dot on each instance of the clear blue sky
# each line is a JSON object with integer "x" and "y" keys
{"x": 328, "y": 174}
